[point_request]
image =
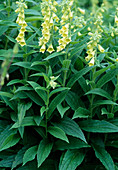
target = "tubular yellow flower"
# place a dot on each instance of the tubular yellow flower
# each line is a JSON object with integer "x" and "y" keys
{"x": 48, "y": 10}
{"x": 21, "y": 22}
{"x": 91, "y": 63}
{"x": 101, "y": 49}
{"x": 117, "y": 59}
{"x": 116, "y": 19}
{"x": 82, "y": 11}
{"x": 50, "y": 49}
{"x": 43, "y": 48}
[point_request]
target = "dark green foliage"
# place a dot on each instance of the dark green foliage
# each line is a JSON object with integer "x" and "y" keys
{"x": 67, "y": 126}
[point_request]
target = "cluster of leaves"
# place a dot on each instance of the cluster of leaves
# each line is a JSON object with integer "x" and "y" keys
{"x": 73, "y": 126}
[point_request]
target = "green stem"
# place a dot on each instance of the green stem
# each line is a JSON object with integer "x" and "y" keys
{"x": 64, "y": 80}
{"x": 65, "y": 71}
{"x": 46, "y": 114}
{"x": 115, "y": 95}
{"x": 9, "y": 7}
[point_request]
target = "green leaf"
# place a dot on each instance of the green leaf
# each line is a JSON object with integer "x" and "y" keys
{"x": 7, "y": 162}
{"x": 104, "y": 157}
{"x": 40, "y": 90}
{"x": 14, "y": 82}
{"x": 22, "y": 108}
{"x": 103, "y": 102}
{"x": 57, "y": 100}
{"x": 62, "y": 110}
{"x": 73, "y": 100}
{"x": 100, "y": 92}
{"x": 8, "y": 138}
{"x": 30, "y": 154}
{"x": 54, "y": 55}
{"x": 22, "y": 88}
{"x": 71, "y": 160}
{"x": 107, "y": 77}
{"x": 35, "y": 97}
{"x": 19, "y": 157}
{"x": 99, "y": 72}
{"x": 77, "y": 49}
{"x": 38, "y": 119}
{"x": 70, "y": 127}
{"x": 78, "y": 75}
{"x": 3, "y": 29}
{"x": 43, "y": 152}
{"x": 81, "y": 113}
{"x": 60, "y": 89}
{"x": 74, "y": 143}
{"x": 112, "y": 143}
{"x": 6, "y": 94}
{"x": 98, "y": 126}
{"x": 27, "y": 121}
{"x": 58, "y": 133}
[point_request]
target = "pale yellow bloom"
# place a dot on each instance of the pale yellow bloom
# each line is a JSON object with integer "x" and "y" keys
{"x": 101, "y": 49}
{"x": 116, "y": 19}
{"x": 43, "y": 48}
{"x": 50, "y": 49}
{"x": 82, "y": 11}
{"x": 53, "y": 84}
{"x": 91, "y": 63}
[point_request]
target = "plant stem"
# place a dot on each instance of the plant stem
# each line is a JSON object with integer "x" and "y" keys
{"x": 115, "y": 95}
{"x": 46, "y": 114}
{"x": 65, "y": 71}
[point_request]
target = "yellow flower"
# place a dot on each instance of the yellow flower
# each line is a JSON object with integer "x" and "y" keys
{"x": 116, "y": 19}
{"x": 22, "y": 42}
{"x": 58, "y": 48}
{"x": 88, "y": 58}
{"x": 79, "y": 34}
{"x": 51, "y": 22}
{"x": 22, "y": 30}
{"x": 53, "y": 84}
{"x": 101, "y": 49}
{"x": 43, "y": 48}
{"x": 82, "y": 11}
{"x": 67, "y": 40}
{"x": 117, "y": 59}
{"x": 112, "y": 34}
{"x": 91, "y": 63}
{"x": 18, "y": 39}
{"x": 50, "y": 48}
{"x": 56, "y": 28}
{"x": 41, "y": 41}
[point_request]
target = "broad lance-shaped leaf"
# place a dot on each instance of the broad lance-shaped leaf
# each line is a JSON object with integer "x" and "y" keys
{"x": 7, "y": 162}
{"x": 74, "y": 143}
{"x": 98, "y": 126}
{"x": 30, "y": 154}
{"x": 54, "y": 55}
{"x": 40, "y": 90}
{"x": 58, "y": 133}
{"x": 57, "y": 100}
{"x": 19, "y": 157}
{"x": 104, "y": 157}
{"x": 62, "y": 110}
{"x": 100, "y": 92}
{"x": 43, "y": 152}
{"x": 8, "y": 138}
{"x": 22, "y": 108}
{"x": 71, "y": 160}
{"x": 107, "y": 77}
{"x": 6, "y": 94}
{"x": 70, "y": 127}
{"x": 103, "y": 102}
{"x": 81, "y": 113}
{"x": 76, "y": 76}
